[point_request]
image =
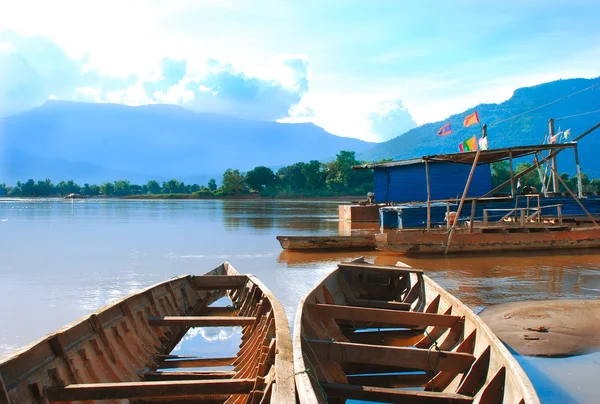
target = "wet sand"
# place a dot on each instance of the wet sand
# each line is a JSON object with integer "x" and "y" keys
{"x": 551, "y": 328}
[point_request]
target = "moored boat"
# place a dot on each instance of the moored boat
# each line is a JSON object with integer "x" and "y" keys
{"x": 355, "y": 242}
{"x": 391, "y": 334}
{"x": 123, "y": 351}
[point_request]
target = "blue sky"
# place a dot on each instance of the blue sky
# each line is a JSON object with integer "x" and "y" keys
{"x": 366, "y": 69}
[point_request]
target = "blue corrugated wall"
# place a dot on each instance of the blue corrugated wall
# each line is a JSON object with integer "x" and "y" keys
{"x": 408, "y": 183}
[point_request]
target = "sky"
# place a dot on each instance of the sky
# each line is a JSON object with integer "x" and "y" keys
{"x": 366, "y": 69}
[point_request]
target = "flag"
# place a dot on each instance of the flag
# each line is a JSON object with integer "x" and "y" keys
{"x": 552, "y": 139}
{"x": 567, "y": 133}
{"x": 469, "y": 144}
{"x": 471, "y": 119}
{"x": 444, "y": 130}
{"x": 519, "y": 183}
{"x": 483, "y": 143}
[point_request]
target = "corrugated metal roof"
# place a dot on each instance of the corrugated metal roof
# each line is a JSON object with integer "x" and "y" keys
{"x": 485, "y": 157}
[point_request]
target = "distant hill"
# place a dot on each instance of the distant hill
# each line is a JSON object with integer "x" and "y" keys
{"x": 98, "y": 142}
{"x": 528, "y": 129}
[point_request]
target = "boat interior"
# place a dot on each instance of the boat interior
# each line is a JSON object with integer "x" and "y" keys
{"x": 124, "y": 351}
{"x": 390, "y": 334}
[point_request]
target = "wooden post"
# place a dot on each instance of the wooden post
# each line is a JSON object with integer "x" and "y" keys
{"x": 576, "y": 199}
{"x": 542, "y": 180}
{"x": 512, "y": 174}
{"x": 462, "y": 201}
{"x": 473, "y": 204}
{"x": 428, "y": 196}
{"x": 555, "y": 188}
{"x": 579, "y": 183}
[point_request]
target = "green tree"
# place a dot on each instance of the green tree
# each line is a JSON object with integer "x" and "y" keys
{"x": 233, "y": 182}
{"x": 292, "y": 177}
{"x": 45, "y": 188}
{"x": 153, "y": 187}
{"x": 122, "y": 188}
{"x": 500, "y": 173}
{"x": 212, "y": 185}
{"x": 3, "y": 189}
{"x": 173, "y": 187}
{"x": 107, "y": 188}
{"x": 260, "y": 177}
{"x": 340, "y": 177}
{"x": 315, "y": 175}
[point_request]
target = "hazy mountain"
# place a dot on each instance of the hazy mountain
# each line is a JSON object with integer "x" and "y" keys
{"x": 528, "y": 129}
{"x": 97, "y": 142}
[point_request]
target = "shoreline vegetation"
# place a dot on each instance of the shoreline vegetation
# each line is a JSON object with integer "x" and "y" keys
{"x": 312, "y": 180}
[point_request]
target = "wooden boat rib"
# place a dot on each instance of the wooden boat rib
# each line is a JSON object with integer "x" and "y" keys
{"x": 389, "y": 334}
{"x": 122, "y": 352}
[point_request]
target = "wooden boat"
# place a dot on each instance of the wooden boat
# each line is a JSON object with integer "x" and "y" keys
{"x": 389, "y": 334}
{"x": 356, "y": 242}
{"x": 122, "y": 352}
{"x": 487, "y": 239}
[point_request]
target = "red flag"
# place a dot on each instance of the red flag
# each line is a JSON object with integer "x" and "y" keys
{"x": 444, "y": 130}
{"x": 471, "y": 119}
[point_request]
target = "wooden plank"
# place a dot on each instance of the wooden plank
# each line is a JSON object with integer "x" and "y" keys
{"x": 391, "y": 380}
{"x": 379, "y": 304}
{"x": 197, "y": 362}
{"x": 200, "y": 321}
{"x": 408, "y": 357}
{"x": 208, "y": 282}
{"x": 161, "y": 389}
{"x": 386, "y": 317}
{"x": 389, "y": 268}
{"x": 391, "y": 395}
{"x": 182, "y": 375}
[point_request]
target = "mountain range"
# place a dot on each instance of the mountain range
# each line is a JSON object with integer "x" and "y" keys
{"x": 103, "y": 142}
{"x": 92, "y": 143}
{"x": 510, "y": 124}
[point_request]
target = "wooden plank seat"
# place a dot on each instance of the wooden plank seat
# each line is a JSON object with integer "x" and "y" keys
{"x": 149, "y": 390}
{"x": 183, "y": 375}
{"x": 200, "y": 321}
{"x": 195, "y": 362}
{"x": 384, "y": 316}
{"x": 383, "y": 268}
{"x": 378, "y": 304}
{"x": 378, "y": 394}
{"x": 406, "y": 357}
{"x": 208, "y": 282}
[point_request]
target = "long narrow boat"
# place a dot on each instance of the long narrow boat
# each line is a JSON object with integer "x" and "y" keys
{"x": 123, "y": 351}
{"x": 300, "y": 243}
{"x": 390, "y": 334}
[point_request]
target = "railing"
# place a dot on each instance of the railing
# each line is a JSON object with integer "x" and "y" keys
{"x": 525, "y": 214}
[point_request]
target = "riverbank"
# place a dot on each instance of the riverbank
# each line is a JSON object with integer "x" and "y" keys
{"x": 253, "y": 196}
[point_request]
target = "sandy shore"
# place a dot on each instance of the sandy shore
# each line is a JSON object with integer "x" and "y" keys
{"x": 551, "y": 328}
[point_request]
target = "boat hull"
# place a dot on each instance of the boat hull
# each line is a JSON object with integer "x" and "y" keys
{"x": 421, "y": 242}
{"x": 123, "y": 350}
{"x": 356, "y": 338}
{"x": 300, "y": 243}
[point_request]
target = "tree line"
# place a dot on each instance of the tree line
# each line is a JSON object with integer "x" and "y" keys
{"x": 300, "y": 179}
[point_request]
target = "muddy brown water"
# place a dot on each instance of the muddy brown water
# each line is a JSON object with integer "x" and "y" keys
{"x": 60, "y": 259}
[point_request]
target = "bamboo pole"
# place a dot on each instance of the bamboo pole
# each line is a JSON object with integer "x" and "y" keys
{"x": 462, "y": 200}
{"x": 428, "y": 196}
{"x": 512, "y": 174}
{"x": 576, "y": 199}
{"x": 555, "y": 188}
{"x": 579, "y": 182}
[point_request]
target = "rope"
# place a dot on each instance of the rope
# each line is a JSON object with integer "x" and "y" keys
{"x": 545, "y": 105}
{"x": 437, "y": 360}
{"x": 573, "y": 116}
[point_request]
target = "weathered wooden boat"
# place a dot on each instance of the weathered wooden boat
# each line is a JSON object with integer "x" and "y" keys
{"x": 356, "y": 242}
{"x": 390, "y": 334}
{"x": 122, "y": 352}
{"x": 488, "y": 239}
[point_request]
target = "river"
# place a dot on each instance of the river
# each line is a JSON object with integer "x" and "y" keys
{"x": 61, "y": 259}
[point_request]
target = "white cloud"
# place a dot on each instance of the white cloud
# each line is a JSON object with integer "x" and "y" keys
{"x": 390, "y": 120}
